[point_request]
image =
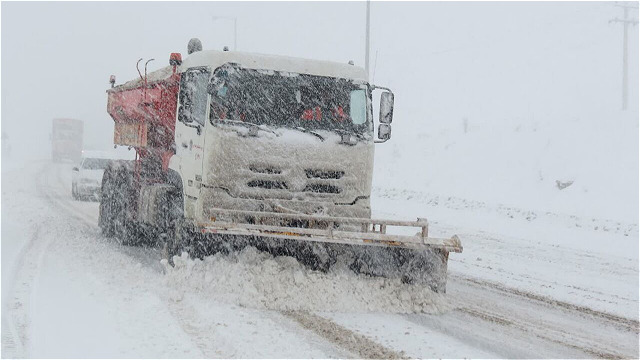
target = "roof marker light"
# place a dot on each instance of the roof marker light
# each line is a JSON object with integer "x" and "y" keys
{"x": 175, "y": 59}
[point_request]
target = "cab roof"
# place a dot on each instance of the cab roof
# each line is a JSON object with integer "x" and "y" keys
{"x": 215, "y": 58}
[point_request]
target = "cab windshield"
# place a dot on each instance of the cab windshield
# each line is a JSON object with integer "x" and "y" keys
{"x": 289, "y": 100}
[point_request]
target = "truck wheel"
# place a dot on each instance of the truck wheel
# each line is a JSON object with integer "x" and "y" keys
{"x": 106, "y": 218}
{"x": 126, "y": 227}
{"x": 74, "y": 192}
{"x": 116, "y": 207}
{"x": 175, "y": 234}
{"x": 168, "y": 248}
{"x": 173, "y": 240}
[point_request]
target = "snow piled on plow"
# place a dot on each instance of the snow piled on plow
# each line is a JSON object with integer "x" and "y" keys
{"x": 252, "y": 278}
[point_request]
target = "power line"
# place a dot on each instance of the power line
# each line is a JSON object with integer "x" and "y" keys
{"x": 366, "y": 52}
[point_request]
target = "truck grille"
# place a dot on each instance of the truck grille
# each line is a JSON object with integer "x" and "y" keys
{"x": 265, "y": 170}
{"x": 267, "y": 184}
{"x": 323, "y": 174}
{"x": 275, "y": 178}
{"x": 322, "y": 188}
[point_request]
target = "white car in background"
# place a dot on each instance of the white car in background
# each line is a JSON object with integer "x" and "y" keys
{"x": 86, "y": 179}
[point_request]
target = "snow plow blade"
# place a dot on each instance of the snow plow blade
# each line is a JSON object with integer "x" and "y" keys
{"x": 321, "y": 228}
{"x": 317, "y": 241}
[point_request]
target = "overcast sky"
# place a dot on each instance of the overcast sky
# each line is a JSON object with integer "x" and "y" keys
{"x": 492, "y": 62}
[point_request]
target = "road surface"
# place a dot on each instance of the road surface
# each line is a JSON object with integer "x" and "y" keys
{"x": 67, "y": 291}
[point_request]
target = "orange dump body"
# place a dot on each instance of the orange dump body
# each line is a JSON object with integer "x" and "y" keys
{"x": 144, "y": 112}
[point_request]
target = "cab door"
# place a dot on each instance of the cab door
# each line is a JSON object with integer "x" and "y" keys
{"x": 193, "y": 112}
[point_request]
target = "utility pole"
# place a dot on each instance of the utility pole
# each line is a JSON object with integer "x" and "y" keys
{"x": 235, "y": 34}
{"x": 366, "y": 52}
{"x": 625, "y": 54}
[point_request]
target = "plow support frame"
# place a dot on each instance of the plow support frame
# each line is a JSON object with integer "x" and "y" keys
{"x": 373, "y": 231}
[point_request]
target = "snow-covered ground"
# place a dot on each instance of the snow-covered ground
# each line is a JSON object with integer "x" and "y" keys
{"x": 529, "y": 283}
{"x": 495, "y": 186}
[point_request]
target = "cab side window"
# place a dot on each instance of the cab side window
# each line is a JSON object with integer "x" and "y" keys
{"x": 193, "y": 96}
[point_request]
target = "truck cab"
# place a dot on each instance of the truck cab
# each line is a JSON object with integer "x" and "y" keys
{"x": 276, "y": 134}
{"x": 66, "y": 139}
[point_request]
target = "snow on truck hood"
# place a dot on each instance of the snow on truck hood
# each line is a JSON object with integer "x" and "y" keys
{"x": 289, "y": 164}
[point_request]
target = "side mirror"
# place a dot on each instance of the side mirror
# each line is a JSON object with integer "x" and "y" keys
{"x": 75, "y": 168}
{"x": 384, "y": 132}
{"x": 386, "y": 107}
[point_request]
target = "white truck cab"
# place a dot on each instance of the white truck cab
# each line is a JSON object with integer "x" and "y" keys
{"x": 272, "y": 133}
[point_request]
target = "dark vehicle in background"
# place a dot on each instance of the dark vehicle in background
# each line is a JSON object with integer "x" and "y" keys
{"x": 66, "y": 140}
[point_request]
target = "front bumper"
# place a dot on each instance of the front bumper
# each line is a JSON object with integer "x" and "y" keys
{"x": 216, "y": 198}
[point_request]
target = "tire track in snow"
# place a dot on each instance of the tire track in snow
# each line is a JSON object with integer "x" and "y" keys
{"x": 24, "y": 285}
{"x": 557, "y": 336}
{"x": 205, "y": 340}
{"x": 518, "y": 315}
{"x": 15, "y": 337}
{"x": 347, "y": 339}
{"x": 57, "y": 199}
{"x": 207, "y": 348}
{"x": 619, "y": 321}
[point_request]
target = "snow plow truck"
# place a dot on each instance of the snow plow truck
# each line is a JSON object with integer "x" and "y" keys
{"x": 66, "y": 140}
{"x": 236, "y": 149}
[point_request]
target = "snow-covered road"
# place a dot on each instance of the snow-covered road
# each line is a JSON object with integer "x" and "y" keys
{"x": 69, "y": 292}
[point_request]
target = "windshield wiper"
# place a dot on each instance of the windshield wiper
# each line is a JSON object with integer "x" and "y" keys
{"x": 248, "y": 124}
{"x": 299, "y": 128}
{"x": 311, "y": 132}
{"x": 344, "y": 133}
{"x": 238, "y": 122}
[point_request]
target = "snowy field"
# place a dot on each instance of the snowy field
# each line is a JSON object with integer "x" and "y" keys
{"x": 531, "y": 282}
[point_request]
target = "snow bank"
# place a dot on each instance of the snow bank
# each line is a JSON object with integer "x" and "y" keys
{"x": 256, "y": 279}
{"x": 519, "y": 163}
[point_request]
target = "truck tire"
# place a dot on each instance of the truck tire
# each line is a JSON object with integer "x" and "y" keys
{"x": 171, "y": 241}
{"x": 175, "y": 232}
{"x": 126, "y": 227}
{"x": 106, "y": 215}
{"x": 74, "y": 192}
